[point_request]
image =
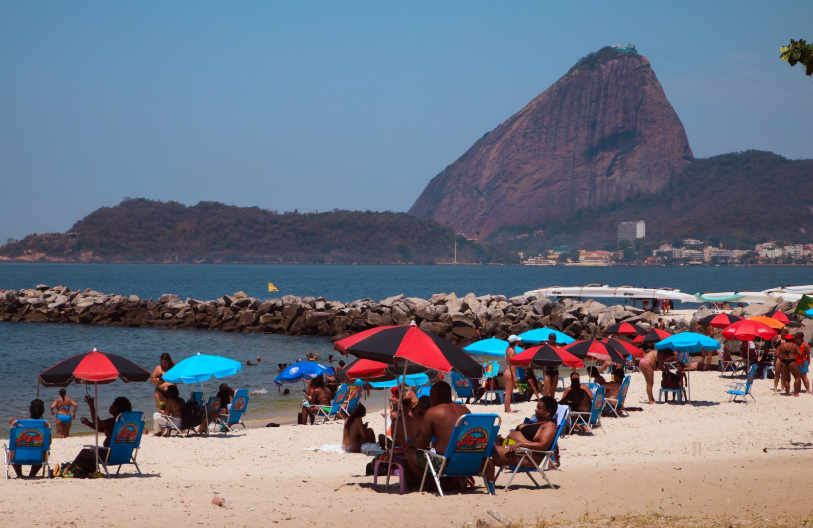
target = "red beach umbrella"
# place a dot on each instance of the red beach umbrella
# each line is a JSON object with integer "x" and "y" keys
{"x": 393, "y": 344}
{"x": 623, "y": 328}
{"x": 546, "y": 356}
{"x": 624, "y": 348}
{"x": 748, "y": 330}
{"x": 722, "y": 320}
{"x": 93, "y": 367}
{"x": 369, "y": 370}
{"x": 655, "y": 335}
{"x": 638, "y": 340}
{"x": 779, "y": 316}
{"x": 342, "y": 345}
{"x": 595, "y": 349}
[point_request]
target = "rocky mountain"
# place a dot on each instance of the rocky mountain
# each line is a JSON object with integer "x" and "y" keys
{"x": 602, "y": 133}
{"x": 140, "y": 230}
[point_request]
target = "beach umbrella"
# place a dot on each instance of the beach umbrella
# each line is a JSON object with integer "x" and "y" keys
{"x": 201, "y": 368}
{"x": 541, "y": 335}
{"x": 411, "y": 380}
{"x": 624, "y": 328}
{"x": 341, "y": 345}
{"x": 722, "y": 320}
{"x": 489, "y": 347}
{"x": 655, "y": 335}
{"x": 546, "y": 356}
{"x": 97, "y": 368}
{"x": 776, "y": 324}
{"x": 688, "y": 342}
{"x": 596, "y": 349}
{"x": 748, "y": 330}
{"x": 624, "y": 348}
{"x": 779, "y": 316}
{"x": 301, "y": 370}
{"x": 639, "y": 340}
{"x": 392, "y": 345}
{"x": 366, "y": 369}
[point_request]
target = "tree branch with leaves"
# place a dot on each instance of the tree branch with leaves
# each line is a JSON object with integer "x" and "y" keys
{"x": 799, "y": 52}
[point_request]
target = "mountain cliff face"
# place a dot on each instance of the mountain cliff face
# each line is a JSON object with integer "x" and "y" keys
{"x": 602, "y": 133}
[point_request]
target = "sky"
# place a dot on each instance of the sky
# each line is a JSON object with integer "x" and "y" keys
{"x": 344, "y": 105}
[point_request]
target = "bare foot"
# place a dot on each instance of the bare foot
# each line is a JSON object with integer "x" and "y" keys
{"x": 653, "y": 402}
{"x": 511, "y": 412}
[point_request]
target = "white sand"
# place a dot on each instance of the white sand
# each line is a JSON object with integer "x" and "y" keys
{"x": 644, "y": 463}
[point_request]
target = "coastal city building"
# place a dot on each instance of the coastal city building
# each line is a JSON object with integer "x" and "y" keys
{"x": 631, "y": 230}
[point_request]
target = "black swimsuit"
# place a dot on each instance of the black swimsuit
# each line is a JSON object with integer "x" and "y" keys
{"x": 530, "y": 430}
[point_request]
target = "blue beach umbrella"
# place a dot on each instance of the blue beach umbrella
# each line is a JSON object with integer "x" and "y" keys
{"x": 489, "y": 347}
{"x": 688, "y": 342}
{"x": 540, "y": 335}
{"x": 411, "y": 380}
{"x": 302, "y": 370}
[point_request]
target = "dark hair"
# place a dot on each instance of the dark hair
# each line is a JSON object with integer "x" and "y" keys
{"x": 122, "y": 404}
{"x": 441, "y": 392}
{"x": 62, "y": 392}
{"x": 424, "y": 402}
{"x": 359, "y": 412}
{"x": 550, "y": 404}
{"x": 593, "y": 371}
{"x": 574, "y": 374}
{"x": 37, "y": 409}
{"x": 318, "y": 381}
{"x": 575, "y": 383}
{"x": 341, "y": 363}
{"x": 224, "y": 387}
{"x": 172, "y": 392}
{"x": 166, "y": 356}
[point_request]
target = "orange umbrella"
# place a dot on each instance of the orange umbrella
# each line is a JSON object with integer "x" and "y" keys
{"x": 773, "y": 323}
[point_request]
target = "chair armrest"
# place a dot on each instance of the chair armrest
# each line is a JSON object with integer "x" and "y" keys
{"x": 525, "y": 450}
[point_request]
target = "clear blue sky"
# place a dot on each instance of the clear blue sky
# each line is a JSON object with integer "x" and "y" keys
{"x": 351, "y": 105}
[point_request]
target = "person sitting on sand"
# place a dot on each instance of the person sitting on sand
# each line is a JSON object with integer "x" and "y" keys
{"x": 538, "y": 436}
{"x": 86, "y": 459}
{"x": 418, "y": 414}
{"x": 356, "y": 431}
{"x": 173, "y": 408}
{"x": 65, "y": 410}
{"x": 397, "y": 433}
{"x": 577, "y": 397}
{"x": 439, "y": 421}
{"x": 318, "y": 397}
{"x": 35, "y": 412}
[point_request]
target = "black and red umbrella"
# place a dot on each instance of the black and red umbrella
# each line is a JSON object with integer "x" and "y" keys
{"x": 623, "y": 328}
{"x": 395, "y": 344}
{"x": 722, "y": 320}
{"x": 656, "y": 335}
{"x": 639, "y": 340}
{"x": 342, "y": 345}
{"x": 370, "y": 370}
{"x": 779, "y": 316}
{"x": 93, "y": 367}
{"x": 546, "y": 356}
{"x": 624, "y": 348}
{"x": 596, "y": 349}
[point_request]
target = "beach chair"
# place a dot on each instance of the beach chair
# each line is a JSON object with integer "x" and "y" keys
{"x": 29, "y": 445}
{"x": 616, "y": 405}
{"x": 333, "y": 412}
{"x": 468, "y": 451}
{"x": 239, "y": 405}
{"x": 353, "y": 398}
{"x": 593, "y": 418}
{"x": 548, "y": 457}
{"x": 728, "y": 363}
{"x": 124, "y": 443}
{"x": 462, "y": 387}
{"x": 491, "y": 370}
{"x": 741, "y": 390}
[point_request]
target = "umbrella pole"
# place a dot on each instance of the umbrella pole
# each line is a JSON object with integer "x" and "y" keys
{"x": 205, "y": 407}
{"x": 395, "y": 425}
{"x": 96, "y": 423}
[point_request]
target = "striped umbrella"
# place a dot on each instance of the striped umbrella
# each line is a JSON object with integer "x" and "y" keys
{"x": 546, "y": 356}
{"x": 624, "y": 348}
{"x": 722, "y": 320}
{"x": 655, "y": 335}
{"x": 779, "y": 316}
{"x": 596, "y": 349}
{"x": 624, "y": 328}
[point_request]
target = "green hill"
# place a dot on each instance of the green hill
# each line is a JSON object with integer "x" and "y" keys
{"x": 737, "y": 199}
{"x": 140, "y": 230}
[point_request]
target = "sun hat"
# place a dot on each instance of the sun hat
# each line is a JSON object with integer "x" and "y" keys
{"x": 514, "y": 338}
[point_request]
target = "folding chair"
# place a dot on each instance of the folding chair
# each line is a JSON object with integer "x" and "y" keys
{"x": 334, "y": 412}
{"x": 616, "y": 405}
{"x": 741, "y": 390}
{"x": 29, "y": 445}
{"x": 462, "y": 387}
{"x": 239, "y": 404}
{"x": 124, "y": 443}
{"x": 468, "y": 451}
{"x": 492, "y": 368}
{"x": 728, "y": 363}
{"x": 593, "y": 418}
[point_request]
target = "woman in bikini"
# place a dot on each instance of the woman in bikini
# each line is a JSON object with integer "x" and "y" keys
{"x": 65, "y": 410}
{"x": 652, "y": 361}
{"x": 157, "y": 379}
{"x": 356, "y": 431}
{"x": 787, "y": 353}
{"x": 510, "y": 372}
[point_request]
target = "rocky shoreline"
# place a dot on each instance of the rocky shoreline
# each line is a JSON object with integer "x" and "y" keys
{"x": 455, "y": 318}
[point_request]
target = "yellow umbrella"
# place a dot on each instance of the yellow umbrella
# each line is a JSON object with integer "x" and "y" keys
{"x": 773, "y": 323}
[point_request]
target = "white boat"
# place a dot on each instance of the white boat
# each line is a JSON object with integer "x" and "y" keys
{"x": 592, "y": 291}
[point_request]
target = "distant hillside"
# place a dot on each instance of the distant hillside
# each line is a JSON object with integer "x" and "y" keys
{"x": 140, "y": 230}
{"x": 738, "y": 199}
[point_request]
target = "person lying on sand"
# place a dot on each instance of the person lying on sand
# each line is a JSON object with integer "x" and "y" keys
{"x": 356, "y": 432}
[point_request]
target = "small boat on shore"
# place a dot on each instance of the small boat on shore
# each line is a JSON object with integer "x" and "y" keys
{"x": 790, "y": 293}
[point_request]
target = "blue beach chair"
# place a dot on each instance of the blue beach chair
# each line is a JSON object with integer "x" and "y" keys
{"x": 334, "y": 412}
{"x": 462, "y": 387}
{"x": 468, "y": 451}
{"x": 353, "y": 398}
{"x": 124, "y": 443}
{"x": 616, "y": 405}
{"x": 239, "y": 405}
{"x": 548, "y": 457}
{"x": 593, "y": 418}
{"x": 492, "y": 369}
{"x": 741, "y": 390}
{"x": 29, "y": 445}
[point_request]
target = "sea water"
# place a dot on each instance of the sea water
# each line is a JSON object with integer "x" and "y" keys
{"x": 26, "y": 349}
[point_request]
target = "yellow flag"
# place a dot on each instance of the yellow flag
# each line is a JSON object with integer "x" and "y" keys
{"x": 272, "y": 288}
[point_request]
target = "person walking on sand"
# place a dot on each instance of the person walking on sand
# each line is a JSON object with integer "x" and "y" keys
{"x": 803, "y": 360}
{"x": 652, "y": 361}
{"x": 787, "y": 353}
{"x": 65, "y": 410}
{"x": 510, "y": 372}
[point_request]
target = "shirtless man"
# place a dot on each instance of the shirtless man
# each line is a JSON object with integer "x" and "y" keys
{"x": 439, "y": 421}
{"x": 652, "y": 361}
{"x": 787, "y": 352}
{"x": 578, "y": 398}
{"x": 318, "y": 397}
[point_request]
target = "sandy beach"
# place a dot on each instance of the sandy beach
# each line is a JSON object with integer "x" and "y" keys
{"x": 754, "y": 463}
